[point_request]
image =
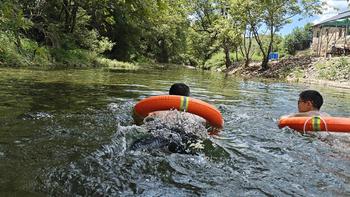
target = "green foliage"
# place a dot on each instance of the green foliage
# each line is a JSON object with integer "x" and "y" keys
{"x": 167, "y": 37}
{"x": 88, "y": 39}
{"x": 60, "y": 32}
{"x": 150, "y": 29}
{"x": 201, "y": 46}
{"x": 203, "y": 36}
{"x": 31, "y": 54}
{"x": 215, "y": 62}
{"x": 192, "y": 32}
{"x": 12, "y": 18}
{"x": 8, "y": 52}
{"x": 13, "y": 22}
{"x": 299, "y": 39}
{"x": 335, "y": 69}
{"x": 297, "y": 72}
{"x": 270, "y": 16}
{"x": 116, "y": 65}
{"x": 74, "y": 57}
{"x": 257, "y": 56}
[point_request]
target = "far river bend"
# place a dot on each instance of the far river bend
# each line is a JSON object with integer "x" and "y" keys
{"x": 60, "y": 135}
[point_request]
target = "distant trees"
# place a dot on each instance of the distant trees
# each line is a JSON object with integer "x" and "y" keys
{"x": 270, "y": 16}
{"x": 233, "y": 24}
{"x": 202, "y": 38}
{"x": 299, "y": 39}
{"x": 156, "y": 30}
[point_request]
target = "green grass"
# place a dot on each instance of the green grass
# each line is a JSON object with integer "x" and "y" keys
{"x": 306, "y": 52}
{"x": 31, "y": 54}
{"x": 115, "y": 65}
{"x": 337, "y": 68}
{"x": 74, "y": 57}
{"x": 296, "y": 72}
{"x": 215, "y": 62}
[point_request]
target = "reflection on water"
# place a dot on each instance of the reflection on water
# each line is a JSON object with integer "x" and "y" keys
{"x": 69, "y": 132}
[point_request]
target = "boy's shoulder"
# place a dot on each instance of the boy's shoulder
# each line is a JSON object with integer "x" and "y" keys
{"x": 307, "y": 114}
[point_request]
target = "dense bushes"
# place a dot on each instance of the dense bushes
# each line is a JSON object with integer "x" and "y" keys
{"x": 299, "y": 39}
{"x": 183, "y": 32}
{"x": 29, "y": 54}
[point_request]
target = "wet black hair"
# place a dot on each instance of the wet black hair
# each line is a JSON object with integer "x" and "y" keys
{"x": 313, "y": 96}
{"x": 180, "y": 89}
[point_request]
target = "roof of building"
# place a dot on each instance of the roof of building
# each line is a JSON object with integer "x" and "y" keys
{"x": 340, "y": 20}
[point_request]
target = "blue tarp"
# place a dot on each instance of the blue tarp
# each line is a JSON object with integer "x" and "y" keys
{"x": 273, "y": 56}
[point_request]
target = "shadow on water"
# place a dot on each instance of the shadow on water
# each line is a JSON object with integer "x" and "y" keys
{"x": 69, "y": 133}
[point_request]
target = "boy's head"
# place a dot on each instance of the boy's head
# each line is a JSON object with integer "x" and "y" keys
{"x": 309, "y": 100}
{"x": 180, "y": 89}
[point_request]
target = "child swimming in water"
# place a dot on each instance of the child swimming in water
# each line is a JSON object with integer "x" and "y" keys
{"x": 172, "y": 129}
{"x": 179, "y": 89}
{"x": 309, "y": 104}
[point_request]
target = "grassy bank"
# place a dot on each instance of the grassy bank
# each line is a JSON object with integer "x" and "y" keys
{"x": 326, "y": 71}
{"x": 28, "y": 53}
{"x": 302, "y": 68}
{"x": 217, "y": 61}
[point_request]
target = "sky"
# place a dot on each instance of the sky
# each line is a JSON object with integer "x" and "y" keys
{"x": 331, "y": 8}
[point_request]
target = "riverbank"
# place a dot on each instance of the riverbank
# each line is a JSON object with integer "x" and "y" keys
{"x": 29, "y": 53}
{"x": 32, "y": 55}
{"x": 334, "y": 72}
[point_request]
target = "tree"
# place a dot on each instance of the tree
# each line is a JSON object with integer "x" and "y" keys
{"x": 203, "y": 36}
{"x": 242, "y": 11}
{"x": 62, "y": 24}
{"x": 165, "y": 38}
{"x": 299, "y": 39}
{"x": 147, "y": 28}
{"x": 271, "y": 15}
{"x": 229, "y": 35}
{"x": 213, "y": 27}
{"x": 229, "y": 30}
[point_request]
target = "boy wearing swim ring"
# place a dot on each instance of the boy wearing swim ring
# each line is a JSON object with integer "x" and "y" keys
{"x": 172, "y": 129}
{"x": 309, "y": 104}
{"x": 179, "y": 89}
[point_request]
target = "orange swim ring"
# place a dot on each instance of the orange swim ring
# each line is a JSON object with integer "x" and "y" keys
{"x": 316, "y": 123}
{"x": 181, "y": 103}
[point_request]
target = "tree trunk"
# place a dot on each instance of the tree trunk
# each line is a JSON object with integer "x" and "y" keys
{"x": 18, "y": 43}
{"x": 73, "y": 18}
{"x": 66, "y": 17}
{"x": 265, "y": 60}
{"x": 264, "y": 64}
{"x": 236, "y": 54}
{"x": 164, "y": 55}
{"x": 227, "y": 54}
{"x": 227, "y": 57}
{"x": 245, "y": 48}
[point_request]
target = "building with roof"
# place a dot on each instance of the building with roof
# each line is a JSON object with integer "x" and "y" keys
{"x": 332, "y": 36}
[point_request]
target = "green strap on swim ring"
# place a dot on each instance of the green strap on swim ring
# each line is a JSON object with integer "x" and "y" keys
{"x": 184, "y": 103}
{"x": 316, "y": 123}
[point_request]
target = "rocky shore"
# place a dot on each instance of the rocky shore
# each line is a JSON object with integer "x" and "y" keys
{"x": 333, "y": 72}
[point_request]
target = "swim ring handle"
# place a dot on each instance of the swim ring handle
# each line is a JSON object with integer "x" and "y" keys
{"x": 316, "y": 124}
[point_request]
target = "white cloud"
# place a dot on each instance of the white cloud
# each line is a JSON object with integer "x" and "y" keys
{"x": 331, "y": 8}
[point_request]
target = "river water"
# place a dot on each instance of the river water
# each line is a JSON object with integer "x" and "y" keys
{"x": 67, "y": 133}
